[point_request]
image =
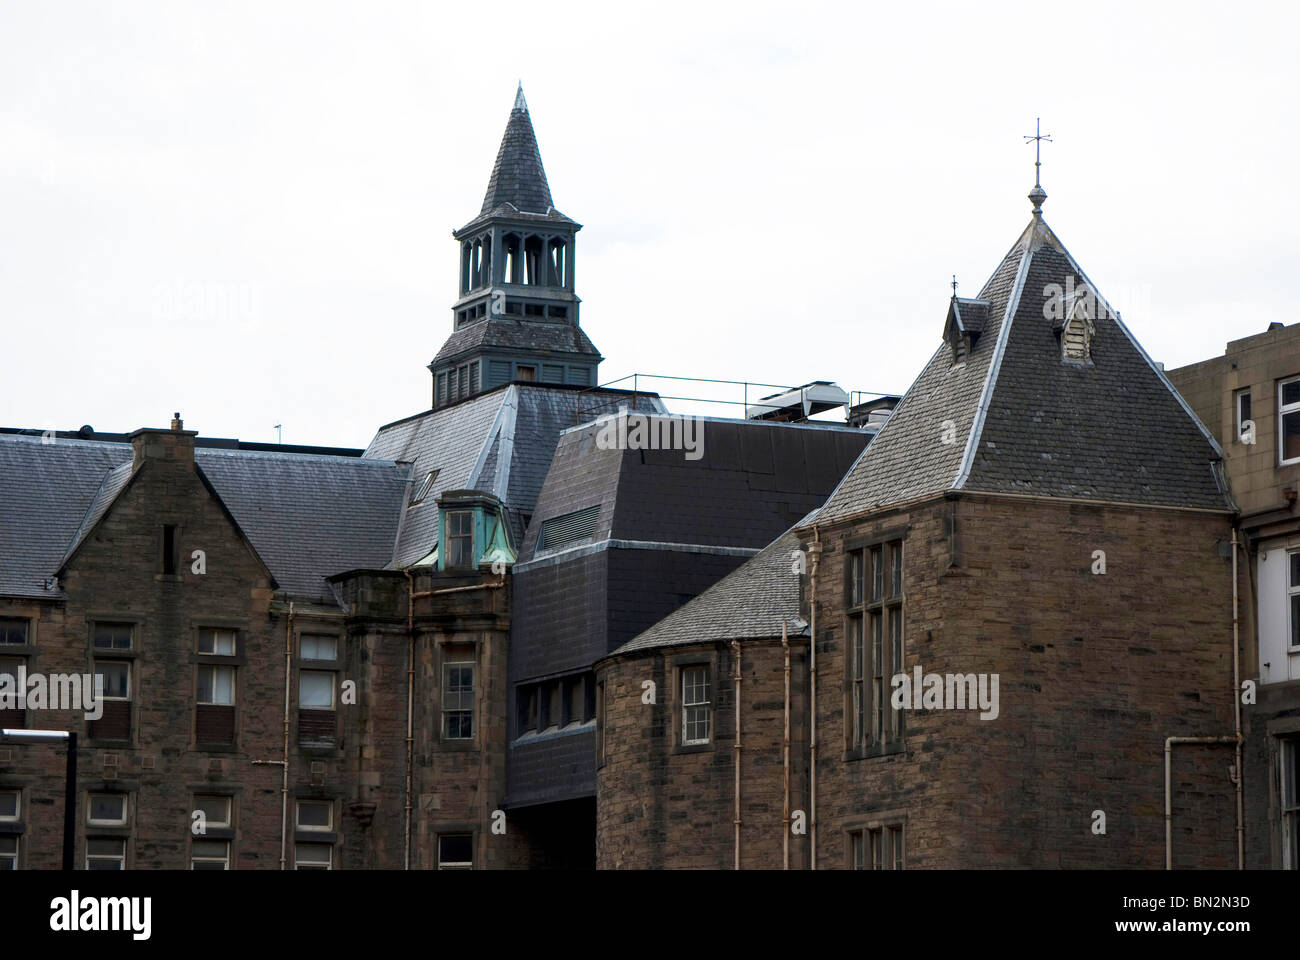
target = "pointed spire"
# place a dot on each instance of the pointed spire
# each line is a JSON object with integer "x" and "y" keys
{"x": 518, "y": 177}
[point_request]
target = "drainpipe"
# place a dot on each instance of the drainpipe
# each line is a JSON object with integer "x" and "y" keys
{"x": 1236, "y": 703}
{"x": 283, "y": 762}
{"x": 785, "y": 808}
{"x": 735, "y": 646}
{"x": 814, "y": 551}
{"x": 1170, "y": 743}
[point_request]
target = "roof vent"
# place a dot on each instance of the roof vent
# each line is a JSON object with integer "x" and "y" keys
{"x": 568, "y": 529}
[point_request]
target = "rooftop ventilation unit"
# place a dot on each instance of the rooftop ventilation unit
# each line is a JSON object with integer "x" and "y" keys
{"x": 798, "y": 403}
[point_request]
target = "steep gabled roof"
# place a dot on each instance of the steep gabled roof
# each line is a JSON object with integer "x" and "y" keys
{"x": 1013, "y": 418}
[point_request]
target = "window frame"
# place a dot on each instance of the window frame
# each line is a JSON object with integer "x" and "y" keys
{"x": 198, "y": 683}
{"x": 687, "y": 705}
{"x": 453, "y": 560}
{"x": 455, "y": 864}
{"x": 210, "y": 824}
{"x": 91, "y": 821}
{"x": 196, "y": 858}
{"x": 1288, "y": 770}
{"x": 334, "y": 697}
{"x": 12, "y": 856}
{"x": 313, "y": 828}
{"x": 876, "y": 628}
{"x": 445, "y": 711}
{"x": 1283, "y": 411}
{"x": 104, "y": 857}
{"x": 26, "y": 641}
{"x": 17, "y": 816}
{"x": 1237, "y": 397}
{"x": 1292, "y": 598}
{"x": 300, "y": 863}
{"x": 212, "y": 633}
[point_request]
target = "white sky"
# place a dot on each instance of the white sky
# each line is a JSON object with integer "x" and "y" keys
{"x": 772, "y": 192}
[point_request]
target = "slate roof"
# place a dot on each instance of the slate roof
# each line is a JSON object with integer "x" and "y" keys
{"x": 752, "y": 601}
{"x": 501, "y": 442}
{"x": 753, "y": 479}
{"x": 510, "y": 334}
{"x": 1014, "y": 418}
{"x": 518, "y": 182}
{"x": 307, "y": 516}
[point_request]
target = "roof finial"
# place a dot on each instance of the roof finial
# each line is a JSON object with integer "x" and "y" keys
{"x": 1038, "y": 194}
{"x": 954, "y": 286}
{"x": 520, "y": 102}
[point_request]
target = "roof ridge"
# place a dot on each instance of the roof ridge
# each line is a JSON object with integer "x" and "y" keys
{"x": 995, "y": 362}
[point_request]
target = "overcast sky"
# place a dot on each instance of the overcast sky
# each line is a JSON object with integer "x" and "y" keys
{"x": 244, "y": 211}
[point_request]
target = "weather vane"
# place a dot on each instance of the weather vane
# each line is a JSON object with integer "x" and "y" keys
{"x": 1038, "y": 194}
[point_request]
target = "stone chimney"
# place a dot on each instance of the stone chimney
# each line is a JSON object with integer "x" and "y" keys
{"x": 175, "y": 445}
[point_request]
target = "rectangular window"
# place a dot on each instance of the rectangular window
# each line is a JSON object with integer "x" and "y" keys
{"x": 1293, "y": 600}
{"x": 105, "y": 853}
{"x": 575, "y": 700}
{"x": 318, "y": 647}
{"x": 528, "y": 708}
{"x": 112, "y": 636}
{"x": 10, "y": 805}
{"x": 315, "y": 815}
{"x": 316, "y": 702}
{"x": 215, "y": 810}
{"x": 11, "y": 715}
{"x": 551, "y": 704}
{"x": 526, "y": 374}
{"x": 456, "y": 851}
{"x": 170, "y": 550}
{"x": 885, "y": 848}
{"x": 460, "y": 539}
{"x": 1245, "y": 424}
{"x": 114, "y": 722}
{"x": 13, "y": 630}
{"x": 216, "y": 685}
{"x": 874, "y": 611}
{"x": 217, "y": 642}
{"x": 8, "y": 853}
{"x": 857, "y": 851}
{"x": 313, "y": 856}
{"x": 106, "y": 810}
{"x": 1288, "y": 416}
{"x": 696, "y": 713}
{"x": 424, "y": 487}
{"x": 209, "y": 854}
{"x": 458, "y": 693}
{"x": 1289, "y": 779}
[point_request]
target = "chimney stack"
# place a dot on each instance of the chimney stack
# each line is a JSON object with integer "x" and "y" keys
{"x": 174, "y": 445}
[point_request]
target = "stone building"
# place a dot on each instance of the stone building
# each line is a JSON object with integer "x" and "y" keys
{"x": 1038, "y": 542}
{"x": 326, "y": 658}
{"x": 1250, "y": 399}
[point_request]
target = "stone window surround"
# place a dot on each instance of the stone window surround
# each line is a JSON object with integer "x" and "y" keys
{"x": 864, "y": 825}
{"x": 472, "y": 742}
{"x": 865, "y": 542}
{"x": 675, "y": 665}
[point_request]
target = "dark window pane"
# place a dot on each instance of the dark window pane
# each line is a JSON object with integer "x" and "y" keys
{"x": 1295, "y": 621}
{"x": 1291, "y": 436}
{"x": 13, "y": 630}
{"x": 1291, "y": 392}
{"x": 457, "y": 849}
{"x": 113, "y": 636}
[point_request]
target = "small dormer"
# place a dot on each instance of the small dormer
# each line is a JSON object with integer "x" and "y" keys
{"x": 965, "y": 324}
{"x": 1075, "y": 326}
{"x": 472, "y": 531}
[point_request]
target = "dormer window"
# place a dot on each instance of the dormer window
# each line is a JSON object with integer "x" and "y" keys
{"x": 1077, "y": 330}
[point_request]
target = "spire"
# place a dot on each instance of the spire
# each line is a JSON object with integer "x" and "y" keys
{"x": 517, "y": 177}
{"x": 1038, "y": 194}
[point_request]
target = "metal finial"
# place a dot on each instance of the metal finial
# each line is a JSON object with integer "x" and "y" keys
{"x": 520, "y": 102}
{"x": 954, "y": 286}
{"x": 1038, "y": 194}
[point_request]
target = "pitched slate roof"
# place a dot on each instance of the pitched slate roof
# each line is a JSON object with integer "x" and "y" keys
{"x": 307, "y": 516}
{"x": 46, "y": 492}
{"x": 518, "y": 182}
{"x": 310, "y": 517}
{"x": 1014, "y": 418}
{"x": 753, "y": 601}
{"x": 511, "y": 334}
{"x": 501, "y": 442}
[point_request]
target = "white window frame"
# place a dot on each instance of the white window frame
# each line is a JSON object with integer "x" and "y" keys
{"x": 215, "y": 634}
{"x": 18, "y": 805}
{"x": 120, "y": 859}
{"x": 302, "y": 653}
{"x": 10, "y": 856}
{"x": 690, "y": 701}
{"x": 333, "y": 690}
{"x": 90, "y": 808}
{"x": 1243, "y": 394}
{"x": 299, "y": 862}
{"x": 1283, "y": 409}
{"x": 1292, "y": 590}
{"x": 208, "y": 821}
{"x": 215, "y": 667}
{"x": 309, "y": 827}
{"x": 196, "y": 858}
{"x": 459, "y": 707}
